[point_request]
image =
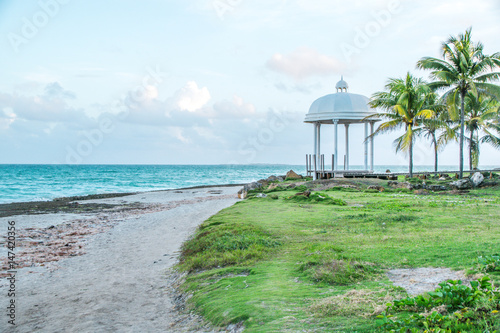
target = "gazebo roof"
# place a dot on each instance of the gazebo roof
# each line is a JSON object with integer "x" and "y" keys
{"x": 342, "y": 106}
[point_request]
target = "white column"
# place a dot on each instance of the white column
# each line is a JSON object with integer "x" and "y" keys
{"x": 366, "y": 146}
{"x": 315, "y": 138}
{"x": 335, "y": 144}
{"x": 318, "y": 156}
{"x": 371, "y": 145}
{"x": 346, "y": 146}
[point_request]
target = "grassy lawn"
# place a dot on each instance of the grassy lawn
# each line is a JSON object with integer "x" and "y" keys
{"x": 299, "y": 265}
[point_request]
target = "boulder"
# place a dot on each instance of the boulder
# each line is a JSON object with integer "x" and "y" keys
{"x": 421, "y": 192}
{"x": 461, "y": 184}
{"x": 436, "y": 188}
{"x": 242, "y": 194}
{"x": 476, "y": 179}
{"x": 272, "y": 186}
{"x": 274, "y": 179}
{"x": 261, "y": 195}
{"x": 306, "y": 194}
{"x": 376, "y": 187}
{"x": 405, "y": 185}
{"x": 292, "y": 175}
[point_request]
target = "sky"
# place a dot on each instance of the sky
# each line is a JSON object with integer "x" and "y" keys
{"x": 210, "y": 81}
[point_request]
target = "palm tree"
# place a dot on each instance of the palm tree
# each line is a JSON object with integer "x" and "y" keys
{"x": 464, "y": 68}
{"x": 481, "y": 112}
{"x": 494, "y": 126}
{"x": 481, "y": 116}
{"x": 430, "y": 126}
{"x": 403, "y": 102}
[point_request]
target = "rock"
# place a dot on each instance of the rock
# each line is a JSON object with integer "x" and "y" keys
{"x": 387, "y": 171}
{"x": 436, "y": 188}
{"x": 242, "y": 194}
{"x": 272, "y": 178}
{"x": 292, "y": 175}
{"x": 261, "y": 195}
{"x": 291, "y": 186}
{"x": 461, "y": 184}
{"x": 442, "y": 178}
{"x": 421, "y": 192}
{"x": 405, "y": 185}
{"x": 376, "y": 187}
{"x": 272, "y": 186}
{"x": 306, "y": 193}
{"x": 477, "y": 179}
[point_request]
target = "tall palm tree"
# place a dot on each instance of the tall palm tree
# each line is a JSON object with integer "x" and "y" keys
{"x": 464, "y": 68}
{"x": 403, "y": 102}
{"x": 481, "y": 111}
{"x": 431, "y": 126}
{"x": 481, "y": 116}
{"x": 492, "y": 132}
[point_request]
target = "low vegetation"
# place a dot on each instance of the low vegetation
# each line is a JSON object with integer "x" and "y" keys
{"x": 296, "y": 262}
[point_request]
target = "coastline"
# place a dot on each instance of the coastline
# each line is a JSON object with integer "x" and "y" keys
{"x": 93, "y": 263}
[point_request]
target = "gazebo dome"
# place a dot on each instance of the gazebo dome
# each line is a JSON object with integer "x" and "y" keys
{"x": 342, "y": 106}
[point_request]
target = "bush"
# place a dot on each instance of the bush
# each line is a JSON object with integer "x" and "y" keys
{"x": 317, "y": 198}
{"x": 453, "y": 307}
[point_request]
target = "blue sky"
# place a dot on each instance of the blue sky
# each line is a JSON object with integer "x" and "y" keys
{"x": 208, "y": 81}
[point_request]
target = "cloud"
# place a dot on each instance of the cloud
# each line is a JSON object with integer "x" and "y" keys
{"x": 191, "y": 98}
{"x": 236, "y": 108}
{"x": 305, "y": 62}
{"x": 55, "y": 91}
{"x": 51, "y": 106}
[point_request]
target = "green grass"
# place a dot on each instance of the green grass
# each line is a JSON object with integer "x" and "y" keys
{"x": 286, "y": 265}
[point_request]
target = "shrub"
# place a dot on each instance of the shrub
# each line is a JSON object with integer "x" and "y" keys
{"x": 452, "y": 307}
{"x": 316, "y": 198}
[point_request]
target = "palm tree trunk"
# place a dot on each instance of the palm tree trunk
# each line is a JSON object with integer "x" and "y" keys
{"x": 462, "y": 112}
{"x": 434, "y": 142}
{"x": 471, "y": 149}
{"x": 411, "y": 155}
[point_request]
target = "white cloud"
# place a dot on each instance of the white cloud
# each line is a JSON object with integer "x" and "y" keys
{"x": 305, "y": 62}
{"x": 236, "y": 108}
{"x": 191, "y": 98}
{"x": 52, "y": 106}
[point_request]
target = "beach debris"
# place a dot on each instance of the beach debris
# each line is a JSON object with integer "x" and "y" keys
{"x": 461, "y": 184}
{"x": 477, "y": 179}
{"x": 45, "y": 246}
{"x": 293, "y": 175}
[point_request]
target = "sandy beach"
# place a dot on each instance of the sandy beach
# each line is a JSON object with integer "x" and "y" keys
{"x": 105, "y": 269}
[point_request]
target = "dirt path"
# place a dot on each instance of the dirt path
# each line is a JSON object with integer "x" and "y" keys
{"x": 119, "y": 284}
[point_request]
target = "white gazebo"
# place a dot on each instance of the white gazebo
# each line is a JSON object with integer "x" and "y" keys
{"x": 344, "y": 108}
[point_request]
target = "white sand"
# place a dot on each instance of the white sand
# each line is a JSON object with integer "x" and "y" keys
{"x": 119, "y": 285}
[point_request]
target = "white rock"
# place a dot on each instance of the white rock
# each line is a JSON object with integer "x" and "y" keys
{"x": 476, "y": 179}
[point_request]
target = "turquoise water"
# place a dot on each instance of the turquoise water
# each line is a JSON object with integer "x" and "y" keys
{"x": 45, "y": 182}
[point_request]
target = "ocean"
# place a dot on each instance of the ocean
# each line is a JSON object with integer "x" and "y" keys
{"x": 20, "y": 183}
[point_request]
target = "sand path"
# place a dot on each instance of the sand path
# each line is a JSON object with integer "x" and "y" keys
{"x": 119, "y": 285}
